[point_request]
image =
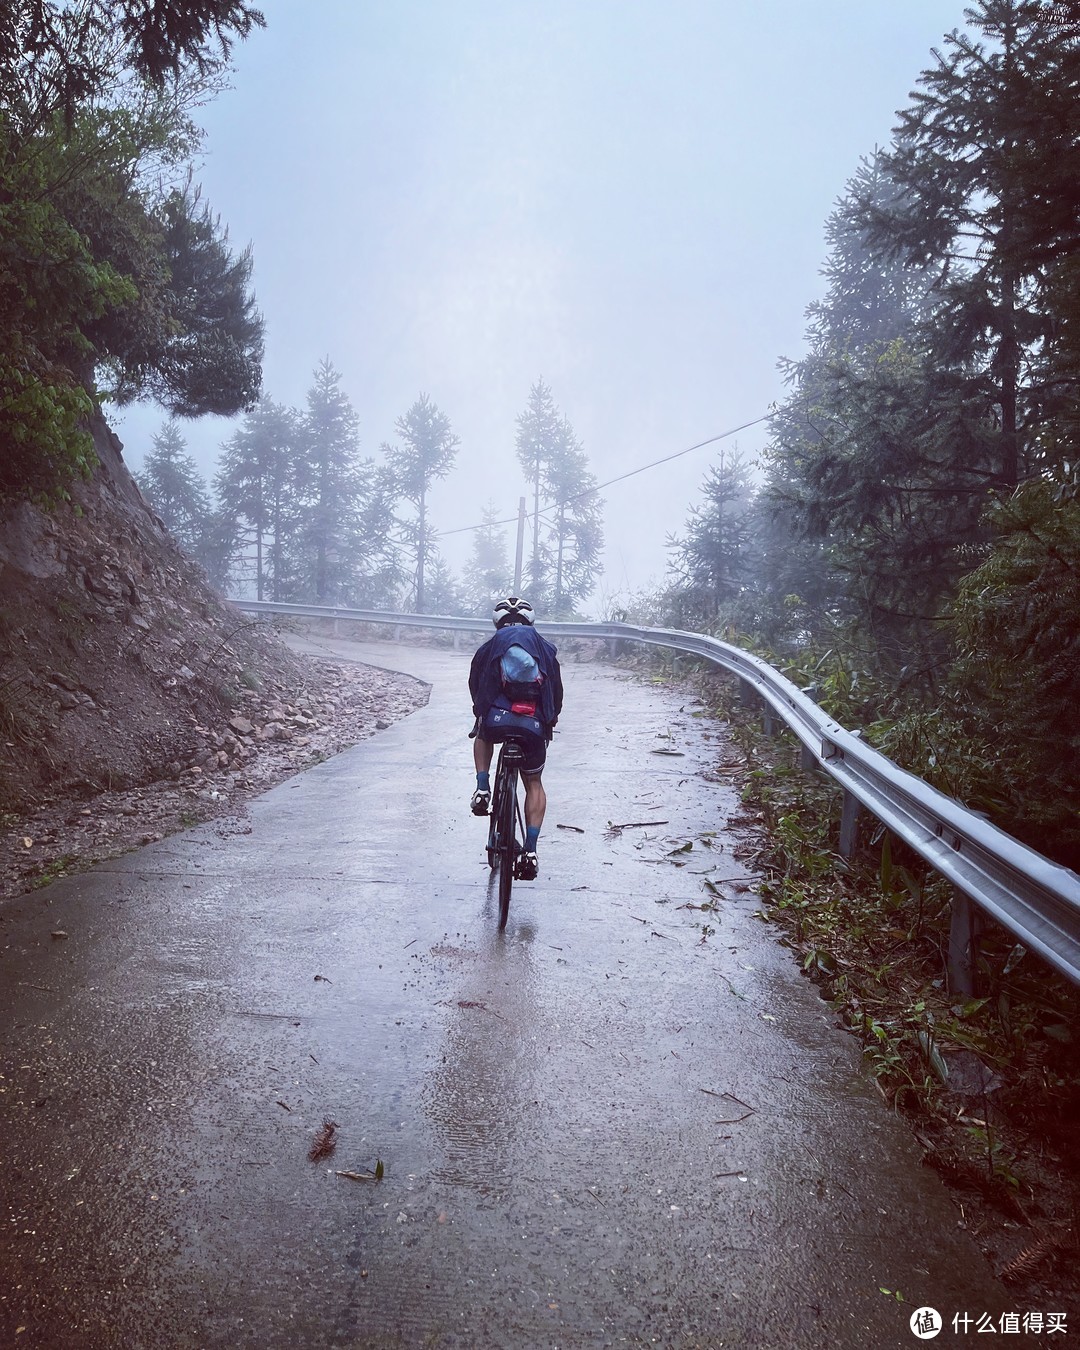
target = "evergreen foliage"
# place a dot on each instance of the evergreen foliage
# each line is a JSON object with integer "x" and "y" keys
{"x": 256, "y": 487}
{"x": 985, "y": 162}
{"x": 172, "y": 484}
{"x": 489, "y": 573}
{"x": 340, "y": 540}
{"x": 916, "y": 546}
{"x": 204, "y": 353}
{"x": 566, "y": 556}
{"x": 108, "y": 282}
{"x": 714, "y": 559}
{"x": 1017, "y": 621}
{"x": 425, "y": 453}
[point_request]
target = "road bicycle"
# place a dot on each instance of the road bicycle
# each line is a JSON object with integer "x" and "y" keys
{"x": 506, "y": 834}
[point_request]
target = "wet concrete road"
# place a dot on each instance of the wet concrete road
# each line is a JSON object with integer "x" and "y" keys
{"x": 596, "y": 1128}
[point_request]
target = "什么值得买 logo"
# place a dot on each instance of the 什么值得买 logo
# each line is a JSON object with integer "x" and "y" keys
{"x": 925, "y": 1323}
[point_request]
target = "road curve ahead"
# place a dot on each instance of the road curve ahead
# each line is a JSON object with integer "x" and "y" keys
{"x": 622, "y": 1122}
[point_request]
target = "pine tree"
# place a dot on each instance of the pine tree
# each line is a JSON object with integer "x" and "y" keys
{"x": 333, "y": 485}
{"x": 878, "y": 461}
{"x": 985, "y": 164}
{"x": 539, "y": 429}
{"x": 208, "y": 356}
{"x": 1018, "y": 667}
{"x": 713, "y": 560}
{"x": 424, "y": 454}
{"x": 576, "y": 533}
{"x": 256, "y": 485}
{"x": 565, "y": 561}
{"x": 170, "y": 481}
{"x": 443, "y": 592}
{"x": 489, "y": 573}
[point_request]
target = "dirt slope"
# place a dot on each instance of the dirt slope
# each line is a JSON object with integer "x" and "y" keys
{"x": 123, "y": 676}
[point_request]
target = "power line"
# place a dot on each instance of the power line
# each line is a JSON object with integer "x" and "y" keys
{"x": 551, "y": 506}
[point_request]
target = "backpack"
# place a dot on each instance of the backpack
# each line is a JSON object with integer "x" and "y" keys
{"x": 521, "y": 680}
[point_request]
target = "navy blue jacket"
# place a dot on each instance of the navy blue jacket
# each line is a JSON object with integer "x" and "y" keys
{"x": 485, "y": 675}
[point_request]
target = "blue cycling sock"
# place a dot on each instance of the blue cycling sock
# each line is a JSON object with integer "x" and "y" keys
{"x": 532, "y": 834}
{"x": 483, "y": 782}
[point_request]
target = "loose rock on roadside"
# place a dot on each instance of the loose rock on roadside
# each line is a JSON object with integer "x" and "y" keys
{"x": 269, "y": 738}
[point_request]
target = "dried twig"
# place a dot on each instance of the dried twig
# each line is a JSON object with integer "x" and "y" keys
{"x": 479, "y": 1004}
{"x": 377, "y": 1175}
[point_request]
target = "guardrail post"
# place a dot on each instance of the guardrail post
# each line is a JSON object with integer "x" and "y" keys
{"x": 768, "y": 722}
{"x": 962, "y": 945}
{"x": 747, "y": 694}
{"x": 807, "y": 758}
{"x": 849, "y": 824}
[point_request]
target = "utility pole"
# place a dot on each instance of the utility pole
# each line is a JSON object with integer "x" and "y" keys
{"x": 520, "y": 546}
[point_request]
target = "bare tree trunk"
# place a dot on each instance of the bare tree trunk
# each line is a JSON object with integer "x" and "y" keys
{"x": 559, "y": 564}
{"x": 421, "y": 549}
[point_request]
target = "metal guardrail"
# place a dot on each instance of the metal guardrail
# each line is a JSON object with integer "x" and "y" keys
{"x": 1035, "y": 899}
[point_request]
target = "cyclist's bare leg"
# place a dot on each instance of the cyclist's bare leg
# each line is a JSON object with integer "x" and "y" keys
{"x": 535, "y": 799}
{"x": 482, "y": 751}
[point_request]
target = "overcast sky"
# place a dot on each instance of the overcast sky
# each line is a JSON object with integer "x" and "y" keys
{"x": 626, "y": 198}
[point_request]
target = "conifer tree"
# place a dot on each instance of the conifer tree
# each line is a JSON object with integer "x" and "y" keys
{"x": 256, "y": 485}
{"x": 424, "y": 454}
{"x": 489, "y": 573}
{"x": 985, "y": 164}
{"x": 713, "y": 560}
{"x": 170, "y": 481}
{"x": 566, "y": 554}
{"x": 335, "y": 542}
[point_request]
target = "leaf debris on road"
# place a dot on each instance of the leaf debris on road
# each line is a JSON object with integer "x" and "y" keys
{"x": 325, "y": 1141}
{"x": 376, "y": 1175}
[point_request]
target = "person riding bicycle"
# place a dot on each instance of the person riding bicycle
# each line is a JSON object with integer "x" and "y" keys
{"x": 517, "y": 692}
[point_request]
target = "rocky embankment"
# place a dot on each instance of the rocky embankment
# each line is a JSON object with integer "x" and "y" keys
{"x": 224, "y": 766}
{"x": 134, "y": 701}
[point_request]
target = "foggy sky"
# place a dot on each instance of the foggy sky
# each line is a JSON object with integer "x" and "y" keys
{"x": 460, "y": 196}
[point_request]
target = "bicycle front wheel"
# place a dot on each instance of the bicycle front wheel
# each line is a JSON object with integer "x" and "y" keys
{"x": 506, "y": 841}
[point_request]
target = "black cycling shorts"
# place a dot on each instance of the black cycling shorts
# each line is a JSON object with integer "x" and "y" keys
{"x": 498, "y": 724}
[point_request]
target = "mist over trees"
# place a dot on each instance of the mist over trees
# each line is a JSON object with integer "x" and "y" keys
{"x": 913, "y": 545}
{"x": 425, "y": 453}
{"x": 489, "y": 573}
{"x": 568, "y": 536}
{"x": 299, "y": 513}
{"x": 119, "y": 283}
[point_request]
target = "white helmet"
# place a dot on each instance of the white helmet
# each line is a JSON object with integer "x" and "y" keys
{"x": 512, "y": 610}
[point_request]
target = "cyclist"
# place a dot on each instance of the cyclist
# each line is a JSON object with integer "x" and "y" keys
{"x": 516, "y": 688}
